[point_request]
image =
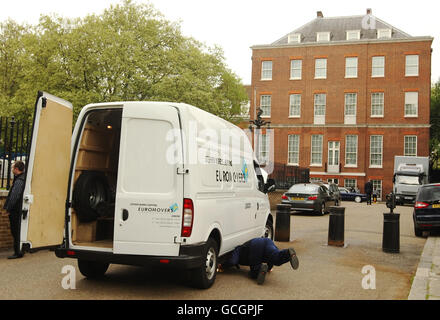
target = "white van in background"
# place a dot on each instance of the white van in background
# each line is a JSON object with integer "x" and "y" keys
{"x": 141, "y": 183}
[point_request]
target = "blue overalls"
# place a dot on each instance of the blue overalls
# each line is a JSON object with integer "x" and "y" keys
{"x": 257, "y": 251}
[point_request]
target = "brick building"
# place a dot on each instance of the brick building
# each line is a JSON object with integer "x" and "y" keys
{"x": 344, "y": 95}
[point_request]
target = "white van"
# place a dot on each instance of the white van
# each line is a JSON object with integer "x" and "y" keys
{"x": 141, "y": 183}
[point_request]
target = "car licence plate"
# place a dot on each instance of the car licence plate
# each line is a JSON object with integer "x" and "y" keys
{"x": 436, "y": 205}
{"x": 297, "y": 199}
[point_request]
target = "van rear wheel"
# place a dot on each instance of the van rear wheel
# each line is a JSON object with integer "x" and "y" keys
{"x": 204, "y": 276}
{"x": 92, "y": 269}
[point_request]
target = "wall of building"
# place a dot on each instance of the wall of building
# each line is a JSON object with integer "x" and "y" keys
{"x": 393, "y": 126}
{"x": 6, "y": 241}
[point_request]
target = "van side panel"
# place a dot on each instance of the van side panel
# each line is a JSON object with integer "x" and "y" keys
{"x": 221, "y": 181}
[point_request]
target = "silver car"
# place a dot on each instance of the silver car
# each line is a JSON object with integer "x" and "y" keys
{"x": 309, "y": 197}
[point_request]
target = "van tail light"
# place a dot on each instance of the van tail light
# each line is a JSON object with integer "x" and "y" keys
{"x": 312, "y": 198}
{"x": 187, "y": 218}
{"x": 420, "y": 205}
{"x": 284, "y": 197}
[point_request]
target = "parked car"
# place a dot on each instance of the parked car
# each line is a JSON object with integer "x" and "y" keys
{"x": 309, "y": 197}
{"x": 334, "y": 192}
{"x": 348, "y": 195}
{"x": 427, "y": 208}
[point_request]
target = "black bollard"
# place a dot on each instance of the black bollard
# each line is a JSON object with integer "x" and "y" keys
{"x": 282, "y": 224}
{"x": 336, "y": 226}
{"x": 391, "y": 233}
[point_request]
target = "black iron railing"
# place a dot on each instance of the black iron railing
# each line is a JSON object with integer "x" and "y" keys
{"x": 285, "y": 176}
{"x": 15, "y": 136}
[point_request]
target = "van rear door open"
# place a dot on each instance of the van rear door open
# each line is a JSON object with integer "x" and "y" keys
{"x": 149, "y": 196}
{"x": 44, "y": 198}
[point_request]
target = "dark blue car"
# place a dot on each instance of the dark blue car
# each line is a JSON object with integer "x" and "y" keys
{"x": 347, "y": 195}
{"x": 427, "y": 208}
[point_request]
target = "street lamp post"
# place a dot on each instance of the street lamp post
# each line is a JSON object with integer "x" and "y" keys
{"x": 258, "y": 123}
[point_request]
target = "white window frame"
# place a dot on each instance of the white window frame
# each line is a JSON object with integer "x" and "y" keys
{"x": 377, "y": 185}
{"x": 316, "y": 149}
{"x": 384, "y": 33}
{"x": 347, "y": 183}
{"x": 265, "y": 69}
{"x": 411, "y": 102}
{"x": 295, "y": 105}
{"x": 378, "y": 150}
{"x": 351, "y": 150}
{"x": 295, "y": 68}
{"x": 266, "y": 107}
{"x": 319, "y": 108}
{"x": 294, "y": 38}
{"x": 410, "y": 150}
{"x": 350, "y": 33}
{"x": 351, "y": 67}
{"x": 293, "y": 145}
{"x": 409, "y": 65}
{"x": 320, "y": 65}
{"x": 350, "y": 108}
{"x": 323, "y": 36}
{"x": 263, "y": 148}
{"x": 378, "y": 67}
{"x": 375, "y": 104}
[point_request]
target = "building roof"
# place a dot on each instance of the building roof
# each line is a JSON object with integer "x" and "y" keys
{"x": 367, "y": 24}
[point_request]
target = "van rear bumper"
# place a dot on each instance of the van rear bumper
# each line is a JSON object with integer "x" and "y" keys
{"x": 190, "y": 256}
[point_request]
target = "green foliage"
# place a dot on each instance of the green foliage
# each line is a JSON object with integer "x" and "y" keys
{"x": 434, "y": 142}
{"x": 129, "y": 52}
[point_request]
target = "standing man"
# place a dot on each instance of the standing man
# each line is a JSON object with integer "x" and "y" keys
{"x": 13, "y": 206}
{"x": 368, "y": 190}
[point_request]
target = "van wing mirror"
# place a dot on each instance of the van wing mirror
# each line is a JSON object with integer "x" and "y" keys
{"x": 269, "y": 186}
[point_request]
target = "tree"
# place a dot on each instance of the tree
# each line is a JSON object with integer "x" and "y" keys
{"x": 434, "y": 141}
{"x": 129, "y": 52}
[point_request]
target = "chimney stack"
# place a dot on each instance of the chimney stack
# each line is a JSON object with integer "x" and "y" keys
{"x": 369, "y": 11}
{"x": 319, "y": 14}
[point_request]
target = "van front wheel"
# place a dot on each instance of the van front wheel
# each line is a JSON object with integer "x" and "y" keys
{"x": 204, "y": 276}
{"x": 92, "y": 269}
{"x": 268, "y": 230}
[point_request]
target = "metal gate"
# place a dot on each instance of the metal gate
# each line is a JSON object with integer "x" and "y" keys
{"x": 15, "y": 136}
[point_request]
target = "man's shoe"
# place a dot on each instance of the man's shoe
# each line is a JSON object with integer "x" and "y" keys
{"x": 15, "y": 256}
{"x": 294, "y": 262}
{"x": 262, "y": 274}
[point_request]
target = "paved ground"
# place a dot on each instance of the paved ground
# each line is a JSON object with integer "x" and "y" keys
{"x": 325, "y": 272}
{"x": 426, "y": 284}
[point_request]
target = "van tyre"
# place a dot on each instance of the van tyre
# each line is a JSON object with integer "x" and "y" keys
{"x": 92, "y": 269}
{"x": 322, "y": 210}
{"x": 268, "y": 230}
{"x": 204, "y": 276}
{"x": 90, "y": 194}
{"x": 358, "y": 199}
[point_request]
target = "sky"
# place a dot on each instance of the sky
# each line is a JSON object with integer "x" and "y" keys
{"x": 236, "y": 25}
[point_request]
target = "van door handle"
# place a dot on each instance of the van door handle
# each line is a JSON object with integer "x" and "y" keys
{"x": 124, "y": 214}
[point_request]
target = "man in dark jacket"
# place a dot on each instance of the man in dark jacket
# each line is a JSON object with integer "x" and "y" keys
{"x": 13, "y": 205}
{"x": 261, "y": 255}
{"x": 368, "y": 190}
